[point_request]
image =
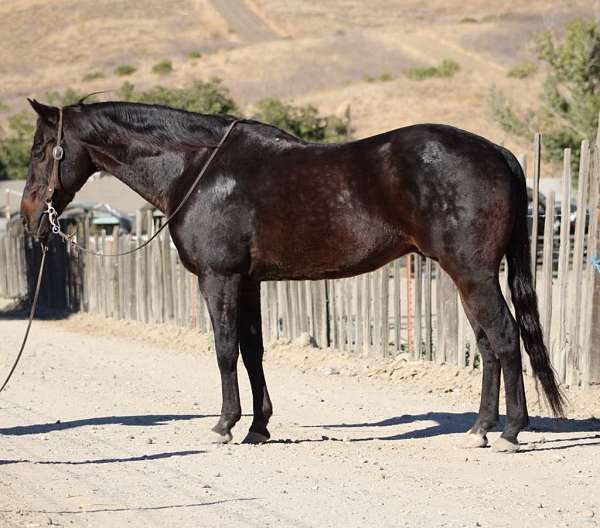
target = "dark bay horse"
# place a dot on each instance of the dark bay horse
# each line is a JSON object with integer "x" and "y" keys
{"x": 273, "y": 207}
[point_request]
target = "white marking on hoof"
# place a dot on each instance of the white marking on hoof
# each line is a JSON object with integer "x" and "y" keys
{"x": 502, "y": 445}
{"x": 216, "y": 438}
{"x": 473, "y": 440}
{"x": 255, "y": 438}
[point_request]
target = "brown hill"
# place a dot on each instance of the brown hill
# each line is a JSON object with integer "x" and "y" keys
{"x": 306, "y": 50}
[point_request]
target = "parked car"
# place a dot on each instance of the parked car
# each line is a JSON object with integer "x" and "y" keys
{"x": 557, "y": 214}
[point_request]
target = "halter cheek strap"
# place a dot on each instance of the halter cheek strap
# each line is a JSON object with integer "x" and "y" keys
{"x": 58, "y": 154}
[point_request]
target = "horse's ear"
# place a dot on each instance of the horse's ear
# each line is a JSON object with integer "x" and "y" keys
{"x": 48, "y": 114}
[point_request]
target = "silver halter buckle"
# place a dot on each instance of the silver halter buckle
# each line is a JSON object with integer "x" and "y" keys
{"x": 58, "y": 153}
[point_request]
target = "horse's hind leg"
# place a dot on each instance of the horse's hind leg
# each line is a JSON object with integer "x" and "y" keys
{"x": 487, "y": 309}
{"x": 251, "y": 346}
{"x": 490, "y": 393}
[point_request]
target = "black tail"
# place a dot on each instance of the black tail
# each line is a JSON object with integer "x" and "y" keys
{"x": 524, "y": 297}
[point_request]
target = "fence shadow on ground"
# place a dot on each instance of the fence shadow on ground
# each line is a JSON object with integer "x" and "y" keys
{"x": 146, "y": 420}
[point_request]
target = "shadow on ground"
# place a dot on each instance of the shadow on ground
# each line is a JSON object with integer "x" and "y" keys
{"x": 146, "y": 420}
{"x": 20, "y": 308}
{"x": 141, "y": 508}
{"x": 156, "y": 456}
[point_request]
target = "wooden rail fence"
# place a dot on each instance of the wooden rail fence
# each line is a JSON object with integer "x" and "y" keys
{"x": 409, "y": 306}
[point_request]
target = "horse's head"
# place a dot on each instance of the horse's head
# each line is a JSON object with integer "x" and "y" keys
{"x": 71, "y": 164}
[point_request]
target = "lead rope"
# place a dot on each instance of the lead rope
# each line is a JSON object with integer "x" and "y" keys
{"x": 31, "y": 315}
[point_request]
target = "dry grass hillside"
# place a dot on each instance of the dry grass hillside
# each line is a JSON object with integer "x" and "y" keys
{"x": 330, "y": 53}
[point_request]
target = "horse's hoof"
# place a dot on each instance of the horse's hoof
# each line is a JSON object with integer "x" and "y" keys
{"x": 473, "y": 440}
{"x": 255, "y": 438}
{"x": 502, "y": 445}
{"x": 218, "y": 438}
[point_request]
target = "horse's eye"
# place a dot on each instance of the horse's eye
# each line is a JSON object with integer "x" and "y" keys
{"x": 38, "y": 154}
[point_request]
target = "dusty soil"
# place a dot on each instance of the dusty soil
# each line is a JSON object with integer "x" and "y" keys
{"x": 104, "y": 425}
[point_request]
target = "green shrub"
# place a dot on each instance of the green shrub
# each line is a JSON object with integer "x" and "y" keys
{"x": 124, "y": 70}
{"x": 304, "y": 122}
{"x": 163, "y": 67}
{"x": 15, "y": 147}
{"x": 522, "y": 70}
{"x": 194, "y": 54}
{"x": 204, "y": 97}
{"x": 500, "y": 110}
{"x": 384, "y": 77}
{"x": 92, "y": 76}
{"x": 469, "y": 20}
{"x": 447, "y": 68}
{"x": 3, "y": 107}
{"x": 209, "y": 97}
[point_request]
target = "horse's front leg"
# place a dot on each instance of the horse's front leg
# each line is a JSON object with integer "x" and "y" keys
{"x": 222, "y": 297}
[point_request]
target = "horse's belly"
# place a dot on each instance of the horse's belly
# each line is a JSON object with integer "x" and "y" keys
{"x": 334, "y": 250}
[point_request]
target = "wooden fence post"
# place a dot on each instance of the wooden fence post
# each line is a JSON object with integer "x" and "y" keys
{"x": 418, "y": 350}
{"x": 562, "y": 340}
{"x": 376, "y": 313}
{"x": 385, "y": 316}
{"x": 591, "y": 331}
{"x": 548, "y": 270}
{"x": 574, "y": 313}
{"x": 537, "y": 157}
{"x": 447, "y": 319}
{"x": 365, "y": 310}
{"x": 427, "y": 298}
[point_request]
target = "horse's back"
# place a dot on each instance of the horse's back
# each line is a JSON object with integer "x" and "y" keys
{"x": 312, "y": 211}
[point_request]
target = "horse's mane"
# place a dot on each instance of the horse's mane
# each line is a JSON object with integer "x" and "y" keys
{"x": 155, "y": 124}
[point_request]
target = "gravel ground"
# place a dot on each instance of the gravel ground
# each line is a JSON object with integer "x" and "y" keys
{"x": 104, "y": 425}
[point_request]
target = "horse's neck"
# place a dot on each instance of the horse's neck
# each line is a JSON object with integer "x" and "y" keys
{"x": 149, "y": 170}
{"x": 151, "y": 174}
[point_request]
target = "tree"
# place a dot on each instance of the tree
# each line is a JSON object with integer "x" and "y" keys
{"x": 204, "y": 97}
{"x": 15, "y": 147}
{"x": 303, "y": 121}
{"x": 571, "y": 97}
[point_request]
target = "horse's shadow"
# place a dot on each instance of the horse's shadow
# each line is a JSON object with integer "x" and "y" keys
{"x": 451, "y": 423}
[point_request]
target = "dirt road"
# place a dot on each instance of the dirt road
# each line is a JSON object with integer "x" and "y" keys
{"x": 108, "y": 431}
{"x": 243, "y": 21}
